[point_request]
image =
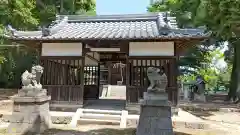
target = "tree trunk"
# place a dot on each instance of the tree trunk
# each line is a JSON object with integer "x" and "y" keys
{"x": 235, "y": 76}
{"x": 73, "y": 7}
{"x": 61, "y": 6}
{"x": 232, "y": 89}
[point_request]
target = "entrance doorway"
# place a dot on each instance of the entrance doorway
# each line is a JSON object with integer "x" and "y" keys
{"x": 111, "y": 82}
{"x": 112, "y": 76}
{"x": 107, "y": 79}
{"x": 113, "y": 73}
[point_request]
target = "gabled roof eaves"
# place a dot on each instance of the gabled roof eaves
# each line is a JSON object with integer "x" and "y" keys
{"x": 111, "y": 27}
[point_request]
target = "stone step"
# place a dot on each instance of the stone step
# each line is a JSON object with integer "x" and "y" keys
{"x": 61, "y": 114}
{"x": 99, "y": 121}
{"x": 101, "y": 111}
{"x": 96, "y": 115}
{"x": 102, "y": 116}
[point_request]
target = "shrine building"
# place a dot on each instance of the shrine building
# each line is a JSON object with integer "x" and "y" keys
{"x": 106, "y": 57}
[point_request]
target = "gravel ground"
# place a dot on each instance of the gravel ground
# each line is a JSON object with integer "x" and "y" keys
{"x": 230, "y": 117}
{"x": 222, "y": 123}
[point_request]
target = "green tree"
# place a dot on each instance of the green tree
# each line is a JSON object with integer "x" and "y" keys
{"x": 221, "y": 17}
{"x": 16, "y": 61}
{"x": 47, "y": 9}
{"x": 27, "y": 15}
{"x": 18, "y": 13}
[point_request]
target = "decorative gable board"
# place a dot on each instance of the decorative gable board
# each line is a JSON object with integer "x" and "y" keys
{"x": 61, "y": 49}
{"x": 151, "y": 49}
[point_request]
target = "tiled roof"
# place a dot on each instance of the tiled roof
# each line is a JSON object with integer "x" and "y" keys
{"x": 115, "y": 27}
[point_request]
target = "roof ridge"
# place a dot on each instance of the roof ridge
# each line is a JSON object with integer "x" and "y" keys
{"x": 112, "y": 16}
{"x": 123, "y": 17}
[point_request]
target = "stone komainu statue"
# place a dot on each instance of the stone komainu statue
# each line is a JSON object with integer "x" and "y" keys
{"x": 32, "y": 80}
{"x": 157, "y": 78}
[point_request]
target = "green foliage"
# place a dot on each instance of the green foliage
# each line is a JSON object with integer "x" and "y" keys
{"x": 184, "y": 10}
{"x": 28, "y": 15}
{"x": 194, "y": 59}
{"x": 1, "y": 59}
{"x": 210, "y": 76}
{"x": 46, "y": 10}
{"x": 86, "y": 7}
{"x": 214, "y": 15}
{"x": 46, "y": 15}
{"x": 17, "y": 60}
{"x": 18, "y": 13}
{"x": 213, "y": 75}
{"x": 222, "y": 18}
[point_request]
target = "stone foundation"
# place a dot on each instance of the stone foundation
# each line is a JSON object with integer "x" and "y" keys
{"x": 30, "y": 115}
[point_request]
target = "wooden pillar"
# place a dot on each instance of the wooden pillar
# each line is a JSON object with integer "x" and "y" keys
{"x": 39, "y": 53}
{"x": 109, "y": 64}
{"x": 175, "y": 73}
{"x": 127, "y": 74}
{"x": 81, "y": 99}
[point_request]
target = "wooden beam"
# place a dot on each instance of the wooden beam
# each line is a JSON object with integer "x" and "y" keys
{"x": 105, "y": 49}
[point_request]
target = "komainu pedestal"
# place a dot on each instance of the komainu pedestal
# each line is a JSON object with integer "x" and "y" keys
{"x": 31, "y": 114}
{"x": 155, "y": 115}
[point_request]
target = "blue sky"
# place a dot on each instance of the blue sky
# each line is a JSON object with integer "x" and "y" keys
{"x": 108, "y": 7}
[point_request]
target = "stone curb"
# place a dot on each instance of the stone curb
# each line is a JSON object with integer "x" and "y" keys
{"x": 214, "y": 109}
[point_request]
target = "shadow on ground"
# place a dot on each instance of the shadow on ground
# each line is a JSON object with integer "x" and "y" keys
{"x": 130, "y": 131}
{"x": 201, "y": 113}
{"x": 207, "y": 106}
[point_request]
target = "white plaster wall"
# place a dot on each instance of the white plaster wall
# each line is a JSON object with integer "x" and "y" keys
{"x": 61, "y": 49}
{"x": 151, "y": 49}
